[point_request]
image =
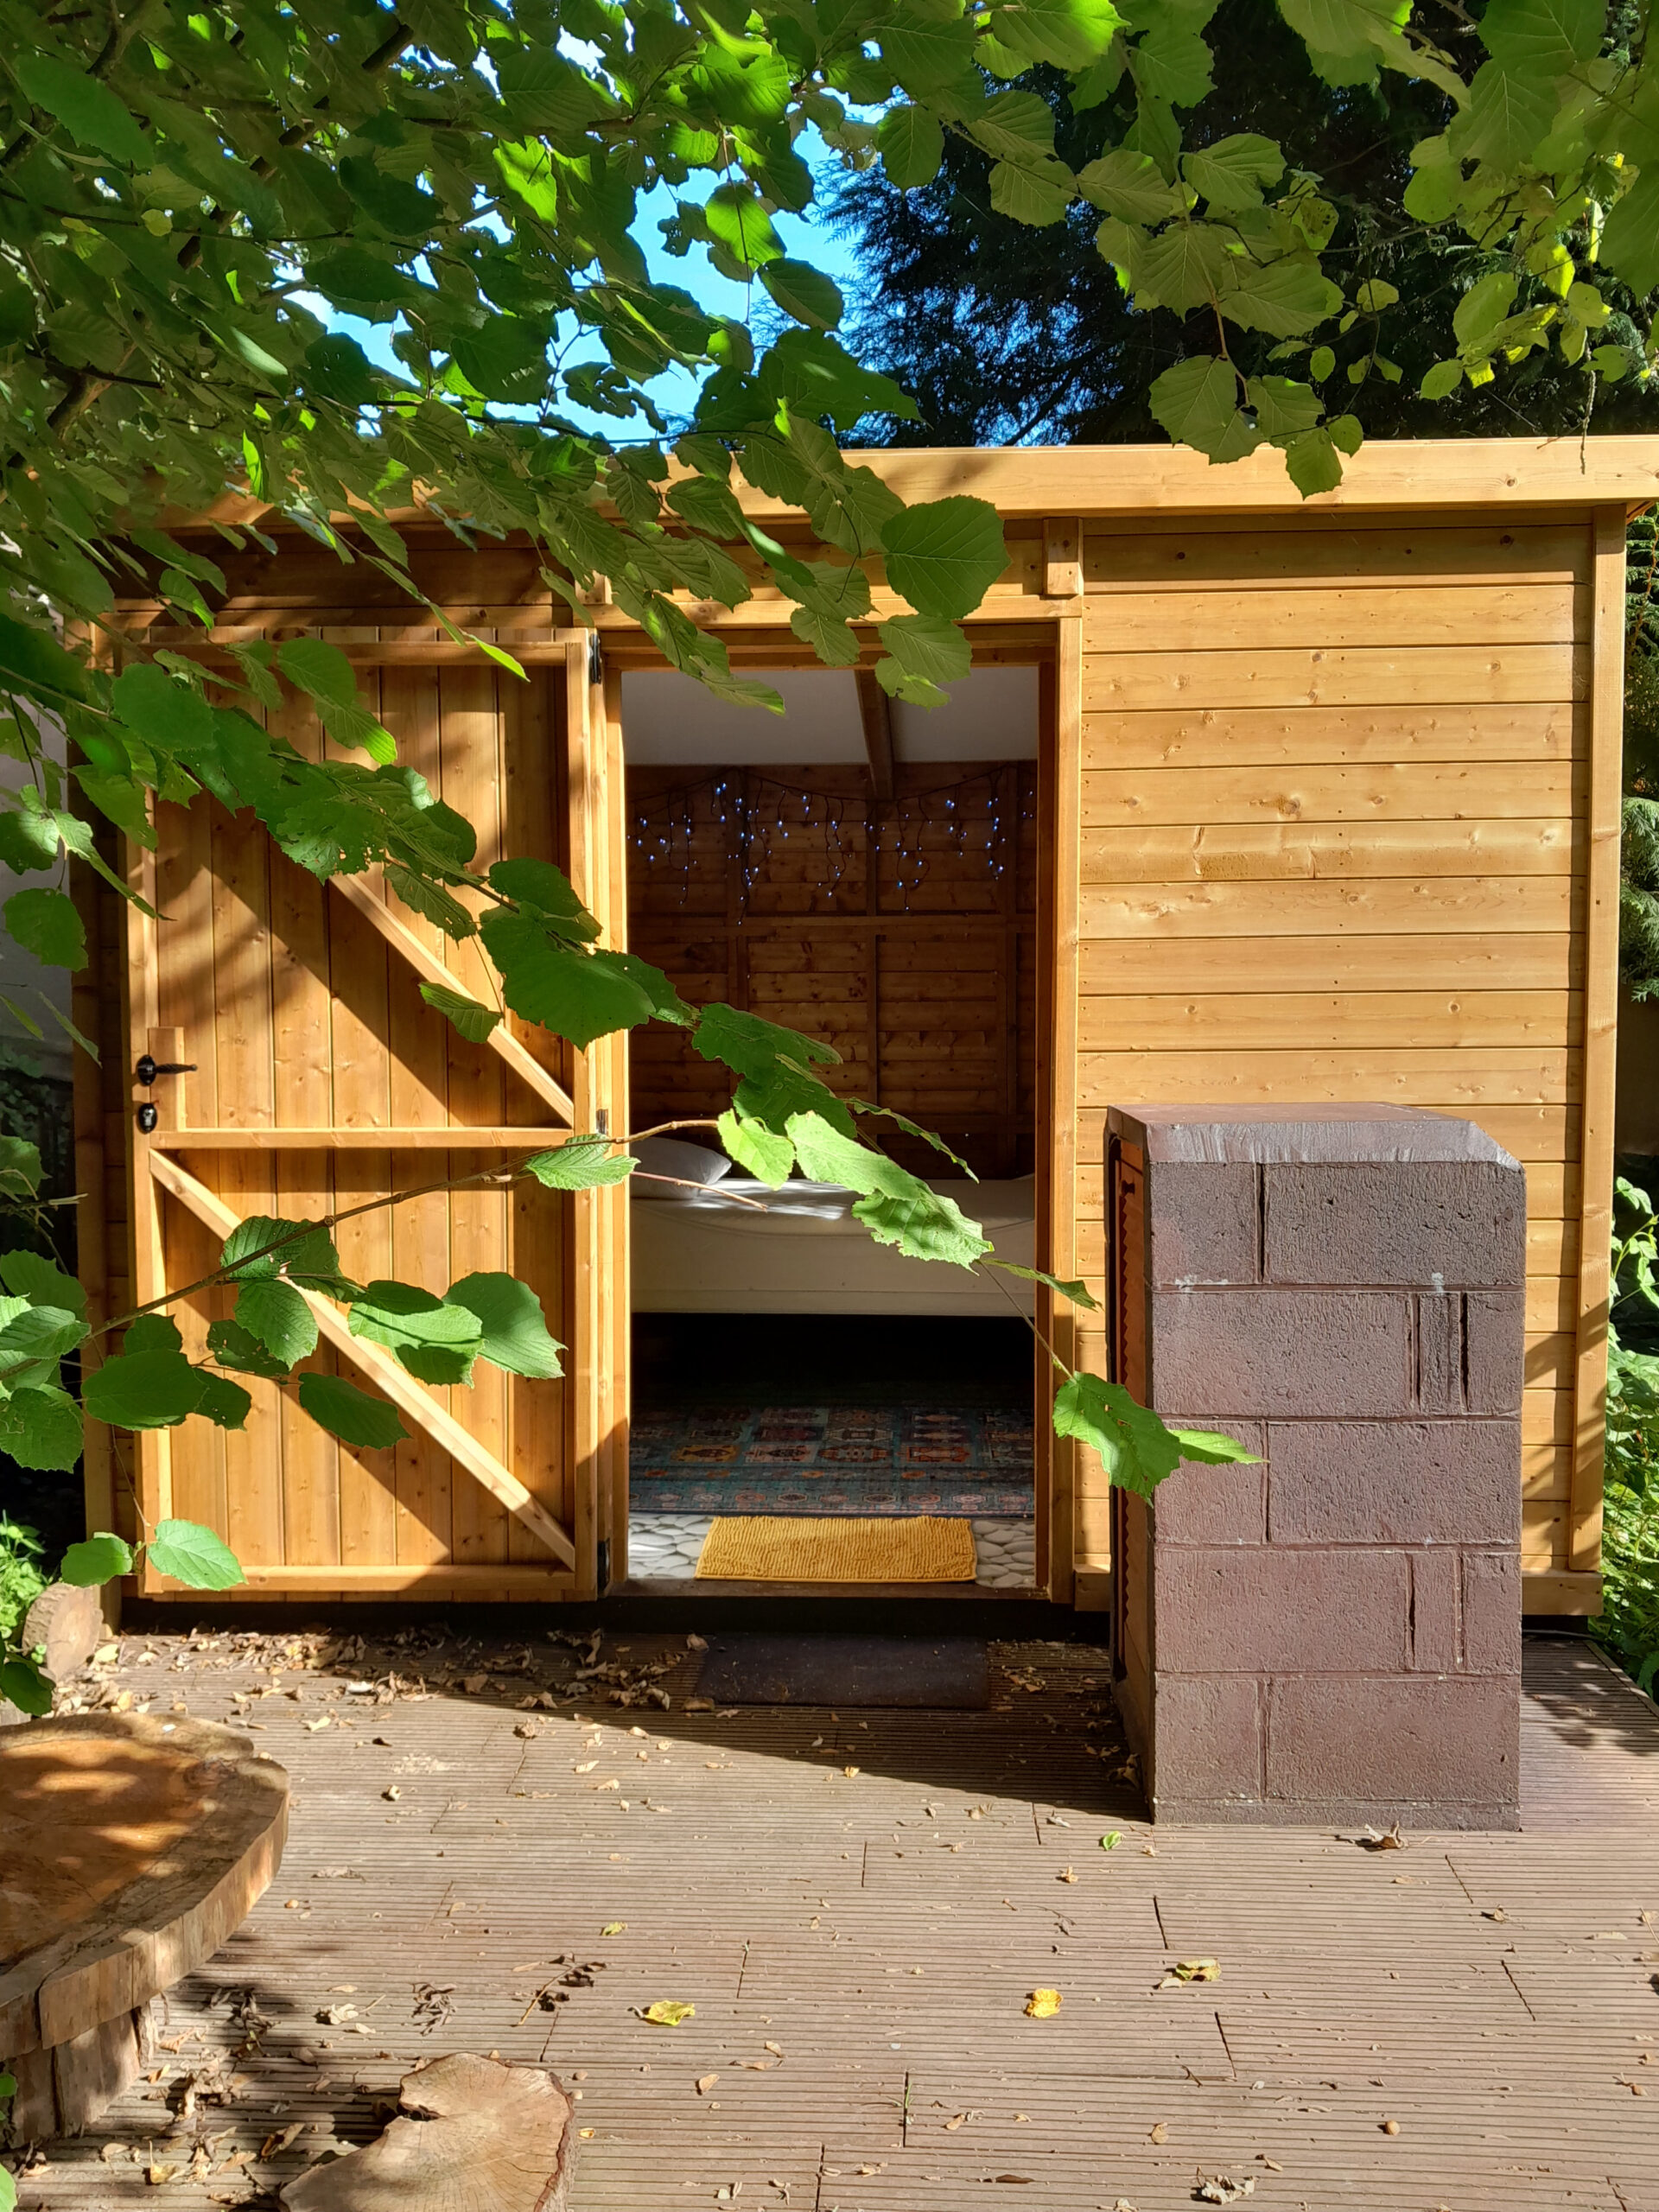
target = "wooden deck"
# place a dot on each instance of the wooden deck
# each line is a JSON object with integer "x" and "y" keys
{"x": 859, "y": 1922}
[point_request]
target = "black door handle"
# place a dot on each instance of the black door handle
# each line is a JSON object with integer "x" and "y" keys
{"x": 148, "y": 1070}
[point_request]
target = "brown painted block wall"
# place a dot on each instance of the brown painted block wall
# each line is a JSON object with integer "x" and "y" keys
{"x": 1333, "y": 1633}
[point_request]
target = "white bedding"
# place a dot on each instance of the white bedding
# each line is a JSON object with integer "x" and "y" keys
{"x": 806, "y": 1254}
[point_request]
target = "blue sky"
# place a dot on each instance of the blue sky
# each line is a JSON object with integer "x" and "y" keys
{"x": 806, "y": 239}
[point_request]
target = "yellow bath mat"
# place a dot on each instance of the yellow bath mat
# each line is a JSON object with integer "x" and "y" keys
{"x": 767, "y": 1548}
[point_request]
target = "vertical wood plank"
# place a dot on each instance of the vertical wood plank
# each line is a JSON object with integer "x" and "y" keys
{"x": 244, "y": 1045}
{"x": 469, "y": 729}
{"x": 301, "y": 1052}
{"x": 608, "y": 707}
{"x": 1056, "y": 1525}
{"x": 150, "y": 1465}
{"x": 1063, "y": 557}
{"x": 584, "y": 1361}
{"x": 1600, "y": 1024}
{"x": 416, "y": 1235}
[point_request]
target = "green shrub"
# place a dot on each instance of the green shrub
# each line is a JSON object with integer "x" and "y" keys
{"x": 1628, "y": 1622}
{"x": 21, "y": 1579}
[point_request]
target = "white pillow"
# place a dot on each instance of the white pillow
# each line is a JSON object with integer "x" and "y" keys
{"x": 687, "y": 1163}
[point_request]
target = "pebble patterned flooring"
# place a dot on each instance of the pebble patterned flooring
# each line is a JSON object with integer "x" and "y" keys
{"x": 665, "y": 1545}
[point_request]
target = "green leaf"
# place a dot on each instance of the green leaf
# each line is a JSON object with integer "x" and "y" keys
{"x": 46, "y": 924}
{"x": 30, "y": 1691}
{"x": 863, "y": 1106}
{"x": 225, "y": 1403}
{"x": 944, "y": 555}
{"x": 1284, "y": 298}
{"x": 1320, "y": 363}
{"x": 1128, "y": 185}
{"x": 194, "y": 1556}
{"x": 86, "y": 107}
{"x": 737, "y": 221}
{"x": 38, "y": 664}
{"x": 232, "y": 1345}
{"x": 1183, "y": 267}
{"x": 153, "y": 1333}
{"x": 1282, "y": 406}
{"x": 1231, "y": 173}
{"x": 29, "y": 1332}
{"x": 506, "y": 359}
{"x": 538, "y": 884}
{"x": 804, "y": 292}
{"x": 474, "y": 1022}
{"x": 1069, "y": 33}
{"x": 1510, "y": 111}
{"x": 41, "y": 1427}
{"x": 42, "y": 1281}
{"x": 1481, "y": 309}
{"x": 143, "y": 1389}
{"x": 28, "y": 841}
{"x": 926, "y": 648}
{"x": 1442, "y": 381}
{"x": 1313, "y": 463}
{"x": 926, "y": 48}
{"x": 897, "y": 1207}
{"x": 1196, "y": 401}
{"x": 1078, "y": 1293}
{"x": 98, "y": 1561}
{"x": 582, "y": 1163}
{"x": 264, "y": 1244}
{"x": 370, "y": 1424}
{"x": 19, "y": 1168}
{"x": 1034, "y": 193}
{"x": 319, "y": 669}
{"x": 1374, "y": 296}
{"x": 1135, "y": 1448}
{"x": 515, "y": 1327}
{"x": 275, "y": 1313}
{"x": 399, "y": 1315}
{"x": 911, "y": 145}
{"x": 763, "y": 1152}
{"x": 579, "y": 995}
{"x": 1172, "y": 63}
{"x": 1629, "y": 240}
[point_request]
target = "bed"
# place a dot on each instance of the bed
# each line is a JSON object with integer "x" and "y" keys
{"x": 696, "y": 1252}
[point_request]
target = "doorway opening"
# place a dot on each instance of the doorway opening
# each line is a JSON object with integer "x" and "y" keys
{"x": 866, "y": 874}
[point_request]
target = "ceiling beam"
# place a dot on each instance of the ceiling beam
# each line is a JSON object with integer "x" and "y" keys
{"x": 875, "y": 712}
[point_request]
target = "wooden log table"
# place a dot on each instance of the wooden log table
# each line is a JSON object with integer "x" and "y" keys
{"x": 131, "y": 1847}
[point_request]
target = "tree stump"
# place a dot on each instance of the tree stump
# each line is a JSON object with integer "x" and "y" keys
{"x": 474, "y": 2135}
{"x": 131, "y": 1847}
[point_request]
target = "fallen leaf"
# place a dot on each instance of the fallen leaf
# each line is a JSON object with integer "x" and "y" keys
{"x": 392, "y": 1795}
{"x": 959, "y": 2119}
{"x": 1222, "y": 2189}
{"x": 1378, "y": 1839}
{"x": 1159, "y": 2133}
{"x": 705, "y": 2082}
{"x": 156, "y": 2175}
{"x": 1497, "y": 1913}
{"x": 614, "y": 1927}
{"x": 1043, "y": 2004}
{"x": 1066, "y": 1874}
{"x": 696, "y": 1644}
{"x": 473, "y": 1684}
{"x": 1110, "y": 1842}
{"x": 667, "y": 2012}
{"x": 776, "y": 2048}
{"x": 1192, "y": 1970}
{"x": 1025, "y": 2178}
{"x": 849, "y": 1772}
{"x": 1391, "y": 2128}
{"x": 585, "y": 2133}
{"x": 699, "y": 1705}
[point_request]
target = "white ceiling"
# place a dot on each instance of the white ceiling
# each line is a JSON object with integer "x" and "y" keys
{"x": 670, "y": 720}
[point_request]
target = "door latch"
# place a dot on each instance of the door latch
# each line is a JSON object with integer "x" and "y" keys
{"x": 148, "y": 1070}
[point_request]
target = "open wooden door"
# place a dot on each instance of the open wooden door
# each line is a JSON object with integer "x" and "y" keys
{"x": 317, "y": 1080}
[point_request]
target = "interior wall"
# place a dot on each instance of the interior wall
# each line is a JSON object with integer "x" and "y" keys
{"x": 903, "y": 934}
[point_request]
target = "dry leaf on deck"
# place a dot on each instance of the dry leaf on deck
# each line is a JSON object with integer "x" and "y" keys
{"x": 705, "y": 2082}
{"x": 1192, "y": 1970}
{"x": 156, "y": 2175}
{"x": 1043, "y": 2004}
{"x": 667, "y": 2012}
{"x": 614, "y": 1927}
{"x": 1222, "y": 2189}
{"x": 1158, "y": 2132}
{"x": 1066, "y": 1874}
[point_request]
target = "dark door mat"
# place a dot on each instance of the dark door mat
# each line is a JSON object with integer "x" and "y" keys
{"x": 952, "y": 1673}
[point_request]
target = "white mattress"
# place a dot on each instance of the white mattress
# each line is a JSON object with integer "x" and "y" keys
{"x": 806, "y": 1254}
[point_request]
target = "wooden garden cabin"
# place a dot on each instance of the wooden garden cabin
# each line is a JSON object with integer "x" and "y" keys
{"x": 1324, "y": 806}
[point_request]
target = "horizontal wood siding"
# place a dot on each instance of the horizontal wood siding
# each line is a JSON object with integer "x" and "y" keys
{"x": 1334, "y": 849}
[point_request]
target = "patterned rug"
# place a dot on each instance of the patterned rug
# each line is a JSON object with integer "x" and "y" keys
{"x": 839, "y": 1459}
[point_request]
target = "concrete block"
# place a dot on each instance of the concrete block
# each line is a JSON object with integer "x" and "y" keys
{"x": 1421, "y": 1746}
{"x": 1235, "y": 1353}
{"x": 1491, "y": 1613}
{"x": 1227, "y": 1504}
{"x": 1407, "y": 1481}
{"x": 1398, "y": 1221}
{"x": 1244, "y": 1610}
{"x": 1204, "y": 1226}
{"x": 1209, "y": 1738}
{"x": 1495, "y": 1345}
{"x": 1438, "y": 1326}
{"x": 1435, "y": 1589}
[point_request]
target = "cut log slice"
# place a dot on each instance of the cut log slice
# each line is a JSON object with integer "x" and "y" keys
{"x": 131, "y": 1847}
{"x": 474, "y": 2135}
